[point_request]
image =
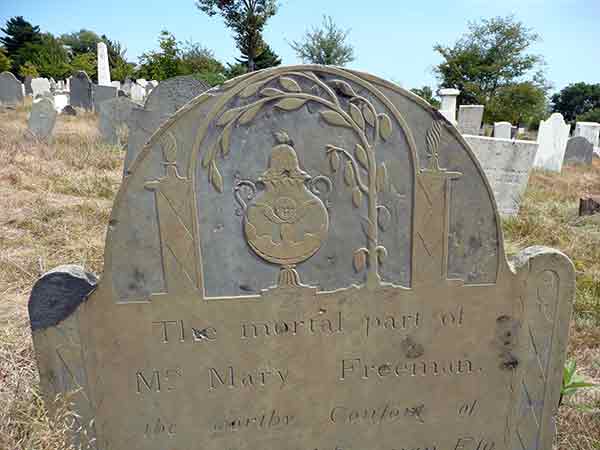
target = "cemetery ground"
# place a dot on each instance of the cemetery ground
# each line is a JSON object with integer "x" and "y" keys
{"x": 55, "y": 203}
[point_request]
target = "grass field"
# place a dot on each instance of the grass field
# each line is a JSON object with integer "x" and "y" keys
{"x": 55, "y": 202}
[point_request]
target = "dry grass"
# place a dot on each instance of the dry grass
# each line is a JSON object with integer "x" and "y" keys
{"x": 55, "y": 203}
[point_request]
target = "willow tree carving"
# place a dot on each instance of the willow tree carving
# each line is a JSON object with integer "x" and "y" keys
{"x": 361, "y": 172}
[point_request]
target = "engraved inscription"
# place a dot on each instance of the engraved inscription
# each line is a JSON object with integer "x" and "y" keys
{"x": 233, "y": 378}
{"x": 175, "y": 330}
{"x": 384, "y": 414}
{"x": 356, "y": 369}
{"x": 263, "y": 421}
{"x": 157, "y": 380}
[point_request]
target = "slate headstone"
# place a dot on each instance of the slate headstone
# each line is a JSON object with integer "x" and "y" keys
{"x": 11, "y": 93}
{"x": 141, "y": 125}
{"x": 42, "y": 119}
{"x": 40, "y": 87}
{"x": 470, "y": 118}
{"x": 113, "y": 117}
{"x": 283, "y": 277}
{"x": 502, "y": 130}
{"x": 81, "y": 91}
{"x": 101, "y": 94}
{"x": 553, "y": 135}
{"x": 579, "y": 151}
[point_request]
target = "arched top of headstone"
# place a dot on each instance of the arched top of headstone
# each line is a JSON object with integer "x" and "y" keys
{"x": 11, "y": 91}
{"x": 82, "y": 75}
{"x": 170, "y": 95}
{"x": 370, "y": 151}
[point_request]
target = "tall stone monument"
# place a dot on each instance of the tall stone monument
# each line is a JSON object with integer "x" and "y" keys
{"x": 307, "y": 258}
{"x": 553, "y": 135}
{"x": 448, "y": 107}
{"x": 11, "y": 92}
{"x": 103, "y": 66}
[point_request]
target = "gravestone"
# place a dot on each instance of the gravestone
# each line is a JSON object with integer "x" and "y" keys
{"x": 42, "y": 119}
{"x": 10, "y": 90}
{"x": 590, "y": 131}
{"x": 579, "y": 151}
{"x": 553, "y": 135}
{"x": 506, "y": 164}
{"x": 40, "y": 87}
{"x": 69, "y": 111}
{"x": 27, "y": 83}
{"x": 126, "y": 87}
{"x": 101, "y": 94}
{"x": 448, "y": 106}
{"x": 113, "y": 117}
{"x": 161, "y": 104}
{"x": 81, "y": 91}
{"x": 469, "y": 119}
{"x": 60, "y": 101}
{"x": 308, "y": 258}
{"x": 103, "y": 66}
{"x": 502, "y": 130}
{"x": 116, "y": 84}
{"x": 137, "y": 93}
{"x": 142, "y": 82}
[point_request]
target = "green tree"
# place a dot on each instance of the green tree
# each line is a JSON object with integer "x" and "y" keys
{"x": 576, "y": 100}
{"x": 120, "y": 69}
{"x": 593, "y": 115}
{"x": 5, "y": 62}
{"x": 247, "y": 20}
{"x": 489, "y": 57}
{"x": 519, "y": 103}
{"x": 426, "y": 93}
{"x": 82, "y": 41}
{"x": 163, "y": 64}
{"x": 325, "y": 45}
{"x": 265, "y": 59}
{"x": 50, "y": 57}
{"x": 28, "y": 70}
{"x": 18, "y": 34}
{"x": 86, "y": 62}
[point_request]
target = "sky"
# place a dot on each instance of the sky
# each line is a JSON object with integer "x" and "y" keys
{"x": 393, "y": 39}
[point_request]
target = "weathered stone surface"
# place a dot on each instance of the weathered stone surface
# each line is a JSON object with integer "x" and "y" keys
{"x": 579, "y": 151}
{"x": 40, "y": 87}
{"x": 141, "y": 125}
{"x": 81, "y": 91}
{"x": 60, "y": 101}
{"x": 291, "y": 265}
{"x": 10, "y": 90}
{"x": 590, "y": 131}
{"x": 448, "y": 107}
{"x": 553, "y": 135}
{"x": 469, "y": 119}
{"x": 502, "y": 130}
{"x": 506, "y": 164}
{"x": 172, "y": 94}
{"x": 113, "y": 117}
{"x": 103, "y": 66}
{"x": 101, "y": 94}
{"x": 27, "y": 83}
{"x": 116, "y": 84}
{"x": 42, "y": 119}
{"x": 137, "y": 93}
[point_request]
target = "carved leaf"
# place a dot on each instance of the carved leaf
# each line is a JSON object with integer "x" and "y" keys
{"x": 250, "y": 90}
{"x": 282, "y": 137}
{"x": 381, "y": 178}
{"x": 289, "y": 84}
{"x": 356, "y": 197}
{"x": 250, "y": 114}
{"x": 360, "y": 259}
{"x": 368, "y": 115}
{"x": 433, "y": 137}
{"x": 349, "y": 174}
{"x": 343, "y": 88}
{"x": 334, "y": 118}
{"x": 228, "y": 116}
{"x": 361, "y": 156}
{"x": 381, "y": 253}
{"x": 334, "y": 161}
{"x": 384, "y": 217}
{"x": 216, "y": 178}
{"x": 271, "y": 92}
{"x": 208, "y": 156}
{"x": 385, "y": 126}
{"x": 357, "y": 116}
{"x": 290, "y": 103}
{"x": 225, "y": 140}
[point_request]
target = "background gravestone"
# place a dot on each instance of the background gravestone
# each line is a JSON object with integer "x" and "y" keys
{"x": 101, "y": 94}
{"x": 81, "y": 91}
{"x": 27, "y": 83}
{"x": 113, "y": 117}
{"x": 553, "y": 135}
{"x": 311, "y": 258}
{"x": 10, "y": 89}
{"x": 40, "y": 87}
{"x": 502, "y": 130}
{"x": 579, "y": 151}
{"x": 42, "y": 119}
{"x": 469, "y": 119}
{"x": 589, "y": 130}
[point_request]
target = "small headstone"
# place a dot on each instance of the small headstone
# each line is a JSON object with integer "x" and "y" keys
{"x": 469, "y": 119}
{"x": 116, "y": 84}
{"x": 69, "y": 111}
{"x": 11, "y": 93}
{"x": 40, "y": 87}
{"x": 506, "y": 164}
{"x": 28, "y": 89}
{"x": 589, "y": 205}
{"x": 101, "y": 94}
{"x": 502, "y": 130}
{"x": 282, "y": 277}
{"x": 553, "y": 135}
{"x": 42, "y": 119}
{"x": 114, "y": 114}
{"x": 590, "y": 131}
{"x": 81, "y": 91}
{"x": 448, "y": 107}
{"x": 103, "y": 66}
{"x": 137, "y": 93}
{"x": 579, "y": 151}
{"x": 60, "y": 101}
